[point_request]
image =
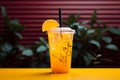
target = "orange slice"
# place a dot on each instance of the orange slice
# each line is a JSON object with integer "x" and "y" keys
{"x": 49, "y": 24}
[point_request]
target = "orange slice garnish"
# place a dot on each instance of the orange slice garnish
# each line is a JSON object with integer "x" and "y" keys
{"x": 49, "y": 24}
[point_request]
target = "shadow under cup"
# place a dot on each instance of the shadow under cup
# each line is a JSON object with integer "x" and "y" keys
{"x": 60, "y": 43}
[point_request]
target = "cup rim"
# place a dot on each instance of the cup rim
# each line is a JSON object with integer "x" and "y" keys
{"x": 62, "y": 29}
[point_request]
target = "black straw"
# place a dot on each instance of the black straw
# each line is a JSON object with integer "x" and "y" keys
{"x": 60, "y": 17}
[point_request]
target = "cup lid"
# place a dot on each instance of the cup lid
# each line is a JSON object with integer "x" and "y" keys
{"x": 62, "y": 29}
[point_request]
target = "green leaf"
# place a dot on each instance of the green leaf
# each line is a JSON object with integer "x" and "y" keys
{"x": 94, "y": 42}
{"x": 112, "y": 47}
{"x": 90, "y": 31}
{"x": 44, "y": 42}
{"x": 114, "y": 30}
{"x": 94, "y": 16}
{"x": 7, "y": 47}
{"x": 6, "y": 21}
{"x": 72, "y": 18}
{"x": 97, "y": 62}
{"x": 98, "y": 55}
{"x": 20, "y": 47}
{"x": 21, "y": 28}
{"x": 12, "y": 27}
{"x": 104, "y": 30}
{"x": 78, "y": 32}
{"x": 15, "y": 21}
{"x": 27, "y": 52}
{"x": 88, "y": 57}
{"x": 4, "y": 14}
{"x": 75, "y": 24}
{"x": 107, "y": 39}
{"x": 15, "y": 26}
{"x": 93, "y": 19}
{"x": 18, "y": 35}
{"x": 81, "y": 27}
{"x": 41, "y": 49}
{"x": 84, "y": 23}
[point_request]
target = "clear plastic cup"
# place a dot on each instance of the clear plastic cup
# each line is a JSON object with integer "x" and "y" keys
{"x": 60, "y": 43}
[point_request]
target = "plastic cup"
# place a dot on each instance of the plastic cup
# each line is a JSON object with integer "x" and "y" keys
{"x": 60, "y": 43}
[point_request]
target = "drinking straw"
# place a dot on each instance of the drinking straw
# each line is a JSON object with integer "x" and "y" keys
{"x": 60, "y": 20}
{"x": 60, "y": 17}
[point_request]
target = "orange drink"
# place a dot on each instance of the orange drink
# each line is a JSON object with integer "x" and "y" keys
{"x": 60, "y": 43}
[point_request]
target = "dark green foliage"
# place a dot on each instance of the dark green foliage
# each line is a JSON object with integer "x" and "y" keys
{"x": 90, "y": 39}
{"x": 37, "y": 54}
{"x": 9, "y": 46}
{"x": 13, "y": 54}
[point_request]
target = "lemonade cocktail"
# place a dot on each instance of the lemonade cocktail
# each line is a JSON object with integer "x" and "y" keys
{"x": 60, "y": 43}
